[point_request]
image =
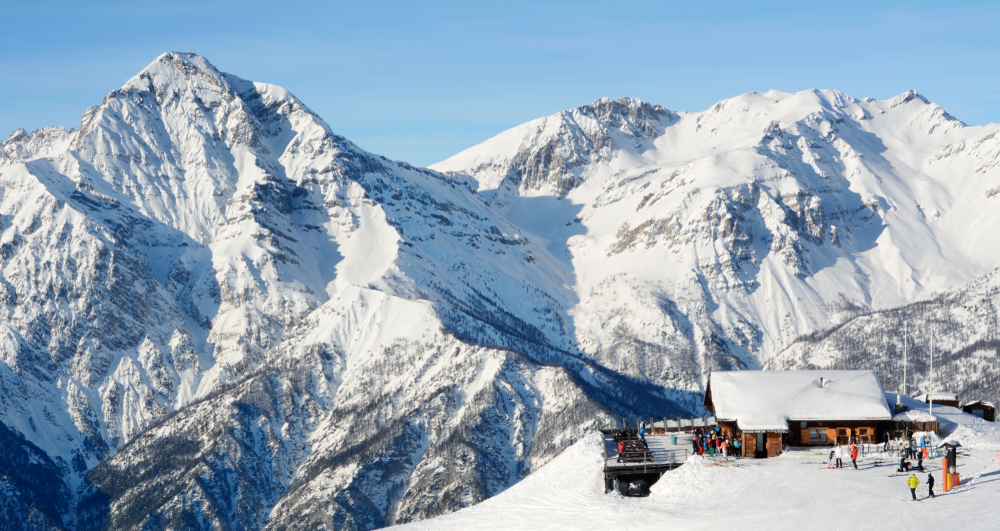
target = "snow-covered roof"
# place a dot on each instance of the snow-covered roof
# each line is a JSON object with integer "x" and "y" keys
{"x": 767, "y": 400}
{"x": 938, "y": 396}
{"x": 983, "y": 402}
{"x": 914, "y": 415}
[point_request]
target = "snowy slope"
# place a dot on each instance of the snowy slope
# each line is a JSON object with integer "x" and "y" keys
{"x": 712, "y": 240}
{"x": 568, "y": 493}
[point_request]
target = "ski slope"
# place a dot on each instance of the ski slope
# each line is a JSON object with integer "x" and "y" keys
{"x": 794, "y": 490}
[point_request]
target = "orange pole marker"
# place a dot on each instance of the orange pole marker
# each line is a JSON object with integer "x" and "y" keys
{"x": 944, "y": 473}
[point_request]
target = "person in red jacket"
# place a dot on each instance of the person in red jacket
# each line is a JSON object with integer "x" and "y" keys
{"x": 854, "y": 455}
{"x": 621, "y": 450}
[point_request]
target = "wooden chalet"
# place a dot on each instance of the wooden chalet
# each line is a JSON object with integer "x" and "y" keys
{"x": 981, "y": 409}
{"x": 940, "y": 399}
{"x": 768, "y": 410}
{"x": 907, "y": 420}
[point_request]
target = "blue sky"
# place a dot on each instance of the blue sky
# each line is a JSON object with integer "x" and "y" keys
{"x": 420, "y": 81}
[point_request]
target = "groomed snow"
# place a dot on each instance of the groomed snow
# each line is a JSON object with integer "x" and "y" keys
{"x": 766, "y": 400}
{"x": 793, "y": 491}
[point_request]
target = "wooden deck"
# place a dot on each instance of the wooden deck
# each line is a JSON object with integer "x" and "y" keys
{"x": 659, "y": 457}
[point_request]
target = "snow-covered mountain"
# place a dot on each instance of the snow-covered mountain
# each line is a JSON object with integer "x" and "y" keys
{"x": 217, "y": 313}
{"x": 712, "y": 240}
{"x": 959, "y": 325}
{"x": 363, "y": 341}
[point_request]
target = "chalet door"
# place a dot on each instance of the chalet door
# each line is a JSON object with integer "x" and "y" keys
{"x": 761, "y": 445}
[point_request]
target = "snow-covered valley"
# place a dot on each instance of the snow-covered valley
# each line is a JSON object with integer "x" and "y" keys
{"x": 218, "y": 313}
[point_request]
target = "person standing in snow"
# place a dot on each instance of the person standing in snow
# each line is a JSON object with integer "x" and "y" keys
{"x": 885, "y": 435}
{"x": 621, "y": 450}
{"x": 912, "y": 482}
{"x": 711, "y": 446}
{"x": 642, "y": 430}
{"x": 854, "y": 456}
{"x": 725, "y": 450}
{"x": 737, "y": 447}
{"x": 838, "y": 454}
{"x": 930, "y": 485}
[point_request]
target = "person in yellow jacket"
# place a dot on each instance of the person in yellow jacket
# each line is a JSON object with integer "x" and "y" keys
{"x": 912, "y": 482}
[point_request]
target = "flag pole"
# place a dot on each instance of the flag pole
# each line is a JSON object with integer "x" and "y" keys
{"x": 932, "y": 375}
{"x": 904, "y": 357}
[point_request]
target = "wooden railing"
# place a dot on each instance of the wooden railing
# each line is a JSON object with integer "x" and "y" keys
{"x": 646, "y": 457}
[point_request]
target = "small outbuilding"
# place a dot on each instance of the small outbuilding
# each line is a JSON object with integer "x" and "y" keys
{"x": 768, "y": 410}
{"x": 912, "y": 421}
{"x": 981, "y": 409}
{"x": 940, "y": 399}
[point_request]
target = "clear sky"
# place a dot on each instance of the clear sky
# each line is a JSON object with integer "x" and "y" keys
{"x": 420, "y": 81}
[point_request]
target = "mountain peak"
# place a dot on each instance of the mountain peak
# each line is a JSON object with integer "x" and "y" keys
{"x": 179, "y": 70}
{"x": 611, "y": 113}
{"x": 907, "y": 97}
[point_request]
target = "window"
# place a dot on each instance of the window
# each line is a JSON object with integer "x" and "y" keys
{"x": 817, "y": 435}
{"x": 862, "y": 431}
{"x": 842, "y": 432}
{"x": 978, "y": 413}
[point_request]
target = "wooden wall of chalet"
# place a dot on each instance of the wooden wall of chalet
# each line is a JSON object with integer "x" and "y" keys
{"x": 898, "y": 429}
{"x": 836, "y": 431}
{"x": 988, "y": 413}
{"x": 773, "y": 443}
{"x": 749, "y": 444}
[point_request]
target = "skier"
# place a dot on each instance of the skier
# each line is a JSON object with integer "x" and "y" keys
{"x": 920, "y": 462}
{"x": 737, "y": 446}
{"x": 642, "y": 430}
{"x": 923, "y": 447}
{"x": 838, "y": 453}
{"x": 725, "y": 450}
{"x": 912, "y": 482}
{"x": 904, "y": 465}
{"x": 854, "y": 456}
{"x": 711, "y": 446}
{"x": 885, "y": 435}
{"x": 930, "y": 484}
